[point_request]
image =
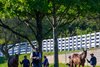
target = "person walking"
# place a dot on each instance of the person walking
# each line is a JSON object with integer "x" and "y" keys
{"x": 25, "y": 62}
{"x": 45, "y": 62}
{"x": 36, "y": 57}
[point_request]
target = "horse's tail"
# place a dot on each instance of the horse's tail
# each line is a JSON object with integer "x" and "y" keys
{"x": 72, "y": 63}
{"x": 9, "y": 61}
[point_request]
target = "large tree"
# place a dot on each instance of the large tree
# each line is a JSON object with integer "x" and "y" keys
{"x": 26, "y": 11}
{"x": 65, "y": 12}
{"x": 62, "y": 11}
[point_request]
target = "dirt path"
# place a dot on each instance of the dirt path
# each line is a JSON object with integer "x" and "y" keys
{"x": 62, "y": 58}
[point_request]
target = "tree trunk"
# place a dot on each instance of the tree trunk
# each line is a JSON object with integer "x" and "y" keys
{"x": 55, "y": 48}
{"x": 5, "y": 52}
{"x": 56, "y": 64}
{"x": 39, "y": 37}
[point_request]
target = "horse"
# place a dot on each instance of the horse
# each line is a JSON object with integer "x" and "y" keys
{"x": 13, "y": 61}
{"x": 79, "y": 59}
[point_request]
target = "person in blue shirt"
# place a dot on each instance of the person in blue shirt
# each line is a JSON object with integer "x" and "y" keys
{"x": 25, "y": 62}
{"x": 93, "y": 60}
{"x": 45, "y": 62}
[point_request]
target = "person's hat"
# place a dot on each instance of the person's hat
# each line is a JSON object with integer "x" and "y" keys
{"x": 36, "y": 49}
{"x": 69, "y": 56}
{"x": 91, "y": 54}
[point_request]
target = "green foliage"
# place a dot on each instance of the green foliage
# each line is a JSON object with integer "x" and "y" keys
{"x": 69, "y": 9}
{"x": 23, "y": 7}
{"x": 2, "y": 41}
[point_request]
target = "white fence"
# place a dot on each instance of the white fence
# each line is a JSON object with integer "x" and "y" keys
{"x": 69, "y": 43}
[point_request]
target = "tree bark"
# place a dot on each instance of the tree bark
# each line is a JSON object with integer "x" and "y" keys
{"x": 56, "y": 61}
{"x": 39, "y": 36}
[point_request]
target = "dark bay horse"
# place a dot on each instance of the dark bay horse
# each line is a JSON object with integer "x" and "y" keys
{"x": 79, "y": 59}
{"x": 13, "y": 61}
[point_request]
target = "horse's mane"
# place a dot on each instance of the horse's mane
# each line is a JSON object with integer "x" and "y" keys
{"x": 75, "y": 55}
{"x": 83, "y": 54}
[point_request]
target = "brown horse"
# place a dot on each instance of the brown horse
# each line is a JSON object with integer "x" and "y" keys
{"x": 79, "y": 59}
{"x": 13, "y": 61}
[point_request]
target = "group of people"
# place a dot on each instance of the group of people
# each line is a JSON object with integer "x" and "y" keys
{"x": 92, "y": 61}
{"x": 36, "y": 58}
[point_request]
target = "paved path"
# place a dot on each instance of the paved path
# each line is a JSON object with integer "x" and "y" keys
{"x": 62, "y": 58}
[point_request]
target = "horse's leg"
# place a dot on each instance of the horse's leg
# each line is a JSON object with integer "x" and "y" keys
{"x": 82, "y": 65}
{"x": 72, "y": 64}
{"x": 79, "y": 65}
{"x": 75, "y": 65}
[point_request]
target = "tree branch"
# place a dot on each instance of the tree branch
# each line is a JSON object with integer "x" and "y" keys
{"x": 63, "y": 24}
{"x": 8, "y": 28}
{"x": 29, "y": 25}
{"x": 50, "y": 21}
{"x": 63, "y": 13}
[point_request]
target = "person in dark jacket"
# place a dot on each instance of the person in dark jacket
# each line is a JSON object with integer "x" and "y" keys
{"x": 25, "y": 62}
{"x": 93, "y": 60}
{"x": 36, "y": 57}
{"x": 45, "y": 62}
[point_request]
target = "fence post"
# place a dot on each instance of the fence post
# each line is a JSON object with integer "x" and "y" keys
{"x": 86, "y": 41}
{"x": 76, "y": 43}
{"x": 46, "y": 45}
{"x": 90, "y": 42}
{"x": 68, "y": 43}
{"x": 60, "y": 45}
{"x": 65, "y": 45}
{"x": 81, "y": 42}
{"x": 26, "y": 47}
{"x": 99, "y": 39}
{"x": 50, "y": 45}
{"x": 19, "y": 48}
{"x": 12, "y": 50}
{"x": 95, "y": 40}
{"x": 72, "y": 43}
